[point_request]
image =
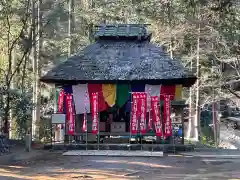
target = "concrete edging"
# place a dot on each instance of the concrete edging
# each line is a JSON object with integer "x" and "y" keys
{"x": 215, "y": 155}
{"x": 113, "y": 153}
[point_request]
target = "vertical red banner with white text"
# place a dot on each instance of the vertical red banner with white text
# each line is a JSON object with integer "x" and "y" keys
{"x": 84, "y": 127}
{"x": 134, "y": 113}
{"x": 167, "y": 118}
{"x": 143, "y": 111}
{"x": 156, "y": 115}
{"x": 70, "y": 114}
{"x": 150, "y": 121}
{"x": 60, "y": 101}
{"x": 95, "y": 119}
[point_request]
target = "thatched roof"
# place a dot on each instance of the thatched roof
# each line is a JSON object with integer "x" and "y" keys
{"x": 121, "y": 54}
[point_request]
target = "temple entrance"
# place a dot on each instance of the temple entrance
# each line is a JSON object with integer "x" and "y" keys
{"x": 115, "y": 133}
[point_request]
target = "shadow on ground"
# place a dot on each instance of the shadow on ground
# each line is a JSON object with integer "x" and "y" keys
{"x": 46, "y": 165}
{"x": 53, "y": 166}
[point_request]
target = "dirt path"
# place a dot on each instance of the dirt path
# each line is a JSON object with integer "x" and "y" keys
{"x": 53, "y": 166}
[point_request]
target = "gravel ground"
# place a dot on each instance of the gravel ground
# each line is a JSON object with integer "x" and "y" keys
{"x": 53, "y": 166}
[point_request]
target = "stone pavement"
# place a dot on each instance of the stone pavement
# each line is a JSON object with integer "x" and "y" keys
{"x": 214, "y": 153}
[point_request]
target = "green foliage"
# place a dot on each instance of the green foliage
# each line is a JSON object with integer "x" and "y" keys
{"x": 45, "y": 130}
{"x": 21, "y": 107}
{"x": 207, "y": 136}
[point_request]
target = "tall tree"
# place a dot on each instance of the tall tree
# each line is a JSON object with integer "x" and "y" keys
{"x": 37, "y": 69}
{"x": 14, "y": 38}
{"x": 70, "y": 26}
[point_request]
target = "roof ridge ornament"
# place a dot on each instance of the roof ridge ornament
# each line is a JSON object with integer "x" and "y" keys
{"x": 122, "y": 32}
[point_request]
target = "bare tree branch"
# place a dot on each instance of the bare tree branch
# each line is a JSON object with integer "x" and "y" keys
{"x": 234, "y": 93}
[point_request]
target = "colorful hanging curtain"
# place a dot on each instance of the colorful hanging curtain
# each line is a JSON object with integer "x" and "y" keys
{"x": 97, "y": 88}
{"x": 109, "y": 94}
{"x": 79, "y": 96}
{"x": 178, "y": 92}
{"x": 167, "y": 90}
{"x": 134, "y": 88}
{"x": 138, "y": 87}
{"x": 151, "y": 90}
{"x": 57, "y": 91}
{"x": 67, "y": 90}
{"x": 122, "y": 94}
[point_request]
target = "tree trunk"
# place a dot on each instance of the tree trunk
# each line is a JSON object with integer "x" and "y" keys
{"x": 90, "y": 27}
{"x": 38, "y": 70}
{"x": 171, "y": 47}
{"x": 70, "y": 26}
{"x": 197, "y": 115}
{"x": 24, "y": 73}
{"x": 6, "y": 111}
{"x": 170, "y": 24}
{"x": 13, "y": 87}
{"x": 37, "y": 73}
{"x": 34, "y": 66}
{"x": 189, "y": 129}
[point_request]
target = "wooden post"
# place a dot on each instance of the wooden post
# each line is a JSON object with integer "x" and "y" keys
{"x": 28, "y": 140}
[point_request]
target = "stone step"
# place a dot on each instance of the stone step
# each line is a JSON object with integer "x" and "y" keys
{"x": 113, "y": 153}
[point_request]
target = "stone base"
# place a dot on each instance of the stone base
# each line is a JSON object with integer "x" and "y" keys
{"x": 113, "y": 153}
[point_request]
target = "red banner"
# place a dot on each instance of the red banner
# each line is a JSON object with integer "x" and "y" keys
{"x": 167, "y": 118}
{"x": 84, "y": 127}
{"x": 143, "y": 111}
{"x": 94, "y": 105}
{"x": 60, "y": 101}
{"x": 139, "y": 104}
{"x": 134, "y": 113}
{"x": 156, "y": 115}
{"x": 70, "y": 114}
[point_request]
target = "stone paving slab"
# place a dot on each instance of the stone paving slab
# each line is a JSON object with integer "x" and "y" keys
{"x": 113, "y": 153}
{"x": 216, "y": 154}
